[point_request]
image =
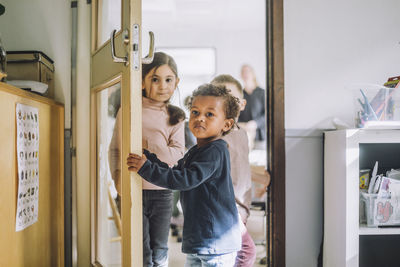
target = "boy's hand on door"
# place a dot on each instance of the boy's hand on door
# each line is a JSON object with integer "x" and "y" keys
{"x": 135, "y": 161}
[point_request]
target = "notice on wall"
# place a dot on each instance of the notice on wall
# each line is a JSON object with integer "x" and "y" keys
{"x": 27, "y": 118}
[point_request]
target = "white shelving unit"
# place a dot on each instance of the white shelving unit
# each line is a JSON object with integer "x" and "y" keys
{"x": 342, "y": 230}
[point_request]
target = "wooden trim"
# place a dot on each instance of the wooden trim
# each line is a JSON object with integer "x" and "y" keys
{"x": 94, "y": 29}
{"x": 61, "y": 229}
{"x": 134, "y": 121}
{"x": 23, "y": 93}
{"x": 114, "y": 80}
{"x": 276, "y": 134}
{"x": 98, "y": 49}
{"x": 93, "y": 173}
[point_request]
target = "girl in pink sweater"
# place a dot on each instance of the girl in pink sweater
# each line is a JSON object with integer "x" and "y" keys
{"x": 163, "y": 134}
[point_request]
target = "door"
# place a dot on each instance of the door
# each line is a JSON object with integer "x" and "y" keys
{"x": 116, "y": 208}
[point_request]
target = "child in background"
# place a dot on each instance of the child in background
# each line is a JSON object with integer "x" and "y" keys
{"x": 211, "y": 233}
{"x": 240, "y": 171}
{"x": 177, "y": 219}
{"x": 163, "y": 134}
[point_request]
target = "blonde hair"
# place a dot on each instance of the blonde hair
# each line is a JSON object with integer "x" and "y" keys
{"x": 252, "y": 72}
{"x": 226, "y": 78}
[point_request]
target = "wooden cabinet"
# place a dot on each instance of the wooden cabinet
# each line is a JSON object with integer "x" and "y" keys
{"x": 346, "y": 241}
{"x": 42, "y": 243}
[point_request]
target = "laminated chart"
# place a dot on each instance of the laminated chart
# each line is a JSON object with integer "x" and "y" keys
{"x": 27, "y": 118}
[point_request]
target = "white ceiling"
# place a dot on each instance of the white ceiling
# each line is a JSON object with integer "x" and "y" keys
{"x": 204, "y": 14}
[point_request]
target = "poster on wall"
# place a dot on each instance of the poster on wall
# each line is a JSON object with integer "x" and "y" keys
{"x": 27, "y": 118}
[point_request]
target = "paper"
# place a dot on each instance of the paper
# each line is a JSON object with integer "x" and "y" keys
{"x": 373, "y": 179}
{"x": 28, "y": 166}
{"x": 387, "y": 207}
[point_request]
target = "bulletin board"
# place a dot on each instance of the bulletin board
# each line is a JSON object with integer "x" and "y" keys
{"x": 42, "y": 243}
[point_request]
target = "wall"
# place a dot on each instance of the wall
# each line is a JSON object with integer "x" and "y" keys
{"x": 236, "y": 29}
{"x": 42, "y": 25}
{"x": 328, "y": 46}
{"x": 81, "y": 130}
{"x": 304, "y": 197}
{"x": 231, "y": 50}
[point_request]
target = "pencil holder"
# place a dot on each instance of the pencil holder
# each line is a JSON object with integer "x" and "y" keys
{"x": 377, "y": 106}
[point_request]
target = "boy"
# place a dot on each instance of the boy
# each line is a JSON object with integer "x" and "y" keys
{"x": 240, "y": 171}
{"x": 211, "y": 234}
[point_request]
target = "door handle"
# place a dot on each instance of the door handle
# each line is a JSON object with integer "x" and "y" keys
{"x": 149, "y": 58}
{"x": 114, "y": 57}
{"x": 135, "y": 48}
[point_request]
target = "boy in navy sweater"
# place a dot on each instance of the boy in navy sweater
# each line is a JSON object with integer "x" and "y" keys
{"x": 211, "y": 234}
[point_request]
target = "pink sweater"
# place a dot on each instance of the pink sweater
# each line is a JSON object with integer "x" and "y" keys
{"x": 166, "y": 141}
{"x": 240, "y": 169}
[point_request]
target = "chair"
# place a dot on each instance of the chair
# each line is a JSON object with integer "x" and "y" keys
{"x": 116, "y": 217}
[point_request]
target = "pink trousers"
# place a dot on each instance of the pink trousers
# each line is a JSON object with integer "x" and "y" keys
{"x": 247, "y": 255}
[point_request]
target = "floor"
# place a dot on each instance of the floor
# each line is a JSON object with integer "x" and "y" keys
{"x": 255, "y": 226}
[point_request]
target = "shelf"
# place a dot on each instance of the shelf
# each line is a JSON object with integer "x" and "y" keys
{"x": 346, "y": 242}
{"x": 364, "y": 230}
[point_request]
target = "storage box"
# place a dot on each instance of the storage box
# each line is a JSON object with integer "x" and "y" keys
{"x": 376, "y": 106}
{"x": 31, "y": 65}
{"x": 380, "y": 211}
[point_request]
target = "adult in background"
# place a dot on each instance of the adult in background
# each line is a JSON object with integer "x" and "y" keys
{"x": 252, "y": 118}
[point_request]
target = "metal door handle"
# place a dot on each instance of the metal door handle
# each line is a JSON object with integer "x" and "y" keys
{"x": 149, "y": 58}
{"x": 114, "y": 57}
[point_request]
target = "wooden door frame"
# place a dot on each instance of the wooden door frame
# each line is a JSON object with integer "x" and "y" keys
{"x": 276, "y": 218}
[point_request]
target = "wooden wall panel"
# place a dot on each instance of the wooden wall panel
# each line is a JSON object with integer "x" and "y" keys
{"x": 41, "y": 244}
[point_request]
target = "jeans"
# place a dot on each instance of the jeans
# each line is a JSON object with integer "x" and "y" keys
{"x": 221, "y": 260}
{"x": 157, "y": 210}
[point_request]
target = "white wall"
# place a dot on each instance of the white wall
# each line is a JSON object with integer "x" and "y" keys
{"x": 45, "y": 26}
{"x": 330, "y": 44}
{"x": 235, "y": 28}
{"x": 304, "y": 197}
{"x": 233, "y": 48}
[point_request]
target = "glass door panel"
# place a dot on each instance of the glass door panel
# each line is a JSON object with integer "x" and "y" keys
{"x": 109, "y": 18}
{"x": 108, "y": 201}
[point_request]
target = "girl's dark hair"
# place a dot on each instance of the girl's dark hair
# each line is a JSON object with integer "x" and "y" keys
{"x": 231, "y": 103}
{"x": 160, "y": 58}
{"x": 175, "y": 113}
{"x": 226, "y": 78}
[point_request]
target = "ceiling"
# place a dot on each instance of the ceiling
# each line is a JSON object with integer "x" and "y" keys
{"x": 205, "y": 14}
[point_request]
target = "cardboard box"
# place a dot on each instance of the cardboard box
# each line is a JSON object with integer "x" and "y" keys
{"x": 31, "y": 65}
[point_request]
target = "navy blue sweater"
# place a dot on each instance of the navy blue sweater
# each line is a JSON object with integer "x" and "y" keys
{"x": 211, "y": 223}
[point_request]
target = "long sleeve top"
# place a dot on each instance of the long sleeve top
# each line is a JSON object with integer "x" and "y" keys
{"x": 255, "y": 110}
{"x": 167, "y": 141}
{"x": 211, "y": 223}
{"x": 240, "y": 169}
{"x": 164, "y": 140}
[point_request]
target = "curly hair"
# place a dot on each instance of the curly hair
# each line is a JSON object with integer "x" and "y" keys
{"x": 231, "y": 103}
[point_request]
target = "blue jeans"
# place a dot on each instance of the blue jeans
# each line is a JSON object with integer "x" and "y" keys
{"x": 157, "y": 210}
{"x": 220, "y": 260}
